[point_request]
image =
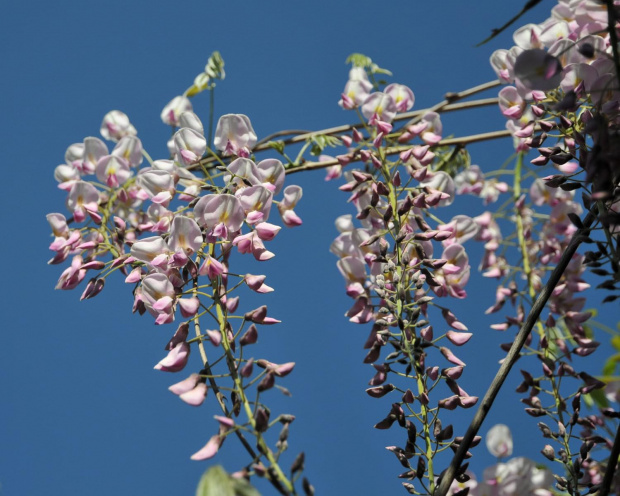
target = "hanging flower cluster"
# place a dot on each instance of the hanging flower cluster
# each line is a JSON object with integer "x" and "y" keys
{"x": 171, "y": 227}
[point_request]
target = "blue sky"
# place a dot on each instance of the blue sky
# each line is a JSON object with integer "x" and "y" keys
{"x": 82, "y": 411}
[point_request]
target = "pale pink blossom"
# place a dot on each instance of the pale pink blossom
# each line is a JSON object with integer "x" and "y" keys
{"x": 113, "y": 171}
{"x": 354, "y": 94}
{"x": 129, "y": 148}
{"x": 72, "y": 275}
{"x": 528, "y": 37}
{"x": 83, "y": 198}
{"x": 173, "y": 110}
{"x": 156, "y": 185}
{"x": 379, "y": 106}
{"x": 66, "y": 175}
{"x": 517, "y": 477}
{"x": 74, "y": 155}
{"x": 292, "y": 194}
{"x": 499, "y": 441}
{"x": 537, "y": 70}
{"x": 94, "y": 150}
{"x": 502, "y": 62}
{"x": 234, "y": 135}
{"x": 148, "y": 249}
{"x": 272, "y": 173}
{"x": 511, "y": 103}
{"x": 190, "y": 120}
{"x": 115, "y": 125}
{"x": 220, "y": 214}
{"x": 185, "y": 385}
{"x": 189, "y": 145}
{"x": 443, "y": 183}
{"x": 243, "y": 172}
{"x": 185, "y": 235}
{"x": 209, "y": 450}
{"x": 195, "y": 396}
{"x": 58, "y": 223}
{"x": 176, "y": 360}
{"x": 256, "y": 283}
{"x": 256, "y": 203}
{"x": 158, "y": 296}
{"x": 403, "y": 96}
{"x": 266, "y": 231}
{"x": 252, "y": 243}
{"x": 211, "y": 267}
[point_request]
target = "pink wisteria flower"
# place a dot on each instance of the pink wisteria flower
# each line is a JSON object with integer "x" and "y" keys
{"x": 242, "y": 172}
{"x": 113, "y": 171}
{"x": 116, "y": 125}
{"x": 272, "y": 174}
{"x": 379, "y": 106}
{"x": 185, "y": 235}
{"x": 234, "y": 135}
{"x": 156, "y": 185}
{"x": 189, "y": 145}
{"x": 220, "y": 214}
{"x": 176, "y": 360}
{"x": 292, "y": 194}
{"x": 173, "y": 110}
{"x": 403, "y": 96}
{"x": 429, "y": 128}
{"x": 517, "y": 477}
{"x": 499, "y": 441}
{"x": 354, "y": 94}
{"x": 94, "y": 150}
{"x": 129, "y": 148}
{"x": 537, "y": 70}
{"x": 83, "y": 198}
{"x": 158, "y": 296}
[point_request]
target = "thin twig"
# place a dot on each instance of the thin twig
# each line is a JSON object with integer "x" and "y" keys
{"x": 529, "y": 5}
{"x": 611, "y": 466}
{"x": 465, "y": 140}
{"x": 513, "y": 355}
{"x": 446, "y": 105}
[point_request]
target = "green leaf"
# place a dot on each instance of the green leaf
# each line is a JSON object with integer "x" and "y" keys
{"x": 277, "y": 146}
{"x": 375, "y": 69}
{"x": 598, "y": 395}
{"x": 321, "y": 141}
{"x": 215, "y": 482}
{"x": 611, "y": 364}
{"x": 244, "y": 488}
{"x": 615, "y": 342}
{"x": 215, "y": 66}
{"x": 359, "y": 60}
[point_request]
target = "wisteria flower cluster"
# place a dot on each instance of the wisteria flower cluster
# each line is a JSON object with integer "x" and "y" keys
{"x": 172, "y": 225}
{"x": 172, "y": 233}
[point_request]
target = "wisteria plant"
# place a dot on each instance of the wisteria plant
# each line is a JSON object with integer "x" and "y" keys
{"x": 175, "y": 228}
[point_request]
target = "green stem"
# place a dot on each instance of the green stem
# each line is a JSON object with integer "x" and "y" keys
{"x": 211, "y": 113}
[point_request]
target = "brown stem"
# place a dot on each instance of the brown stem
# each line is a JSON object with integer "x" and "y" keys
{"x": 513, "y": 355}
{"x": 446, "y": 105}
{"x": 465, "y": 140}
{"x": 611, "y": 466}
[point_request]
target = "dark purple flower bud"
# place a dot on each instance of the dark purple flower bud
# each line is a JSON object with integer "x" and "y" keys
{"x": 380, "y": 391}
{"x": 179, "y": 336}
{"x": 266, "y": 383}
{"x": 386, "y": 423}
{"x": 261, "y": 418}
{"x": 548, "y": 452}
{"x": 246, "y": 370}
{"x": 540, "y": 161}
{"x": 298, "y": 464}
{"x": 250, "y": 336}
